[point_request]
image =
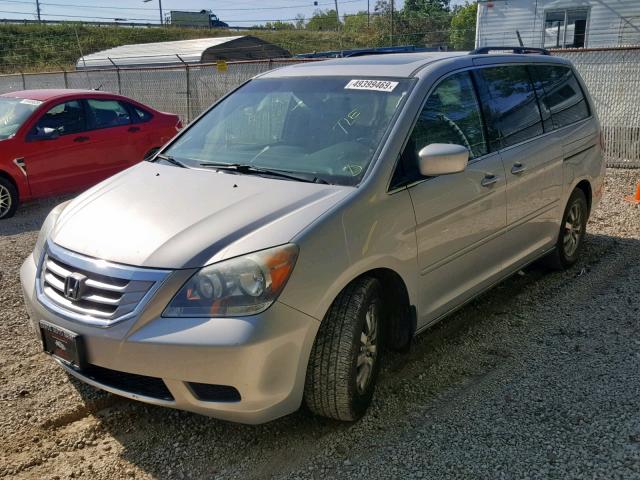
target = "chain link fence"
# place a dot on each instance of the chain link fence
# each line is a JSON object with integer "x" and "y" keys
{"x": 613, "y": 79}
{"x": 612, "y": 76}
{"x": 186, "y": 90}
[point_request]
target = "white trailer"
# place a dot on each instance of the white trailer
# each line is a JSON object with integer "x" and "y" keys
{"x": 558, "y": 23}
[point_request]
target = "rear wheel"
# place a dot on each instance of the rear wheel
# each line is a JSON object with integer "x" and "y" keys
{"x": 8, "y": 198}
{"x": 345, "y": 359}
{"x": 572, "y": 232}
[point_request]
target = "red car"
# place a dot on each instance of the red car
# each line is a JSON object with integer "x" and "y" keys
{"x": 61, "y": 141}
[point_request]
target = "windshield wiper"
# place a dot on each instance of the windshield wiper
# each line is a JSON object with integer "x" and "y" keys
{"x": 252, "y": 170}
{"x": 170, "y": 159}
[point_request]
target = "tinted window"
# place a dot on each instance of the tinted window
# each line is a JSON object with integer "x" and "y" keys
{"x": 108, "y": 113}
{"x": 451, "y": 115}
{"x": 510, "y": 105}
{"x": 560, "y": 94}
{"x": 66, "y": 118}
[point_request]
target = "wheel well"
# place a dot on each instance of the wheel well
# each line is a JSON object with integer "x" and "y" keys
{"x": 401, "y": 325}
{"x": 4, "y": 174}
{"x": 585, "y": 186}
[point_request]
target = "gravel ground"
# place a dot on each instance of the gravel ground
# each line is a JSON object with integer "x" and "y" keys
{"x": 538, "y": 378}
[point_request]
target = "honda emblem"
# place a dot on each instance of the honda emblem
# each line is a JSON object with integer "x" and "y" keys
{"x": 74, "y": 286}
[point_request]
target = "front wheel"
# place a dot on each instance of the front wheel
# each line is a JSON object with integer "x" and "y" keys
{"x": 8, "y": 199}
{"x": 572, "y": 232}
{"x": 345, "y": 358}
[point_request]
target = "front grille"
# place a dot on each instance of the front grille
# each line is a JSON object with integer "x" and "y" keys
{"x": 107, "y": 292}
{"x": 129, "y": 382}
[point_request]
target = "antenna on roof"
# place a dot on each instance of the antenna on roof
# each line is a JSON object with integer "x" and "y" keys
{"x": 519, "y": 38}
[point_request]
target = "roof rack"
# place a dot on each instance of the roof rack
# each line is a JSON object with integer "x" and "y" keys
{"x": 516, "y": 50}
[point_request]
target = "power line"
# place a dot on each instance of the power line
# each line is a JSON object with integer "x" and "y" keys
{"x": 188, "y": 10}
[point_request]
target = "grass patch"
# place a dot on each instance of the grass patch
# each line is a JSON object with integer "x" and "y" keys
{"x": 33, "y": 48}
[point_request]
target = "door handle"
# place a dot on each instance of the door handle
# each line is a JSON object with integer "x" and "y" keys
{"x": 81, "y": 139}
{"x": 489, "y": 180}
{"x": 518, "y": 168}
{"x": 134, "y": 129}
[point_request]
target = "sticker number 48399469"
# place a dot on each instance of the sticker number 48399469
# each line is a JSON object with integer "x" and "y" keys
{"x": 376, "y": 85}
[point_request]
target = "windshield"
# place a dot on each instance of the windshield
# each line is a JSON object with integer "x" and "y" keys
{"x": 13, "y": 113}
{"x": 327, "y": 127}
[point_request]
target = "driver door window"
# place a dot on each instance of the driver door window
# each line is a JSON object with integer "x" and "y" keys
{"x": 66, "y": 118}
{"x": 450, "y": 115}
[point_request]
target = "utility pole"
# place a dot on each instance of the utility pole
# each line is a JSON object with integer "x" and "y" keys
{"x": 368, "y": 15}
{"x": 339, "y": 29}
{"x": 392, "y": 23}
{"x": 38, "y": 9}
{"x": 160, "y": 6}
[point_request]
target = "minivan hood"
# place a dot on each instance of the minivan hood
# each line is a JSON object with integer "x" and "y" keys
{"x": 158, "y": 216}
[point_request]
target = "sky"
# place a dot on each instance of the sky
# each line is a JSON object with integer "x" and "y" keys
{"x": 237, "y": 12}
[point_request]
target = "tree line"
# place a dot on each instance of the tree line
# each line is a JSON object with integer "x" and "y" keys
{"x": 429, "y": 23}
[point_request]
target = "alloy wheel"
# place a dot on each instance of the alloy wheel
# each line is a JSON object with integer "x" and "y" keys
{"x": 368, "y": 349}
{"x": 573, "y": 230}
{"x": 5, "y": 201}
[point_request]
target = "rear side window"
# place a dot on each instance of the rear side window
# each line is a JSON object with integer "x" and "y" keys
{"x": 140, "y": 115}
{"x": 560, "y": 94}
{"x": 108, "y": 113}
{"x": 510, "y": 105}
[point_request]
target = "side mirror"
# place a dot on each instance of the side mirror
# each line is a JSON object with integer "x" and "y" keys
{"x": 442, "y": 159}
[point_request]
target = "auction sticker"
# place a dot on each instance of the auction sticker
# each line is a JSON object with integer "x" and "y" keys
{"x": 376, "y": 85}
{"x": 28, "y": 101}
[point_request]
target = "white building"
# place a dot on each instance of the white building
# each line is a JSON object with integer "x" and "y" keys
{"x": 558, "y": 23}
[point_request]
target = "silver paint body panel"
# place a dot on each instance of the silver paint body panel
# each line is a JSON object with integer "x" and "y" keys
{"x": 448, "y": 238}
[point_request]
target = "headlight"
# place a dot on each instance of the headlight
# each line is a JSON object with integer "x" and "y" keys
{"x": 47, "y": 226}
{"x": 237, "y": 287}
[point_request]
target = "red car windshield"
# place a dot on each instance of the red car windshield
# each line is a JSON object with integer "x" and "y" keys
{"x": 13, "y": 113}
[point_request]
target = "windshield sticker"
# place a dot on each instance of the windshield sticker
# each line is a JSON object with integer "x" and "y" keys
{"x": 28, "y": 101}
{"x": 376, "y": 85}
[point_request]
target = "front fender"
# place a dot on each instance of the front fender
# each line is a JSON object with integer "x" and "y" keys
{"x": 362, "y": 235}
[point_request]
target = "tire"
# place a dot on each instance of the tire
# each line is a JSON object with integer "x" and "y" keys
{"x": 572, "y": 232}
{"x": 151, "y": 153}
{"x": 8, "y": 198}
{"x": 336, "y": 384}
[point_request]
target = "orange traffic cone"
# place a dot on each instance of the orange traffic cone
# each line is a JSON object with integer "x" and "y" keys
{"x": 634, "y": 198}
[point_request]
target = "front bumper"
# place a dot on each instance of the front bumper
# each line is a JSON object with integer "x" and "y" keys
{"x": 264, "y": 357}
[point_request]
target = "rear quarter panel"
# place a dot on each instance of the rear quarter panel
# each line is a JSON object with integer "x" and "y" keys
{"x": 583, "y": 153}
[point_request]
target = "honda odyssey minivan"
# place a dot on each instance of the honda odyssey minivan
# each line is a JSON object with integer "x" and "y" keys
{"x": 312, "y": 219}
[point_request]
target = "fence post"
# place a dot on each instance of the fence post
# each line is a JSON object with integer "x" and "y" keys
{"x": 24, "y": 83}
{"x": 186, "y": 68}
{"x": 118, "y": 75}
{"x": 66, "y": 80}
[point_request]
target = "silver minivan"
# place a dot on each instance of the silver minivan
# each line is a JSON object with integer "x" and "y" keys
{"x": 313, "y": 218}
